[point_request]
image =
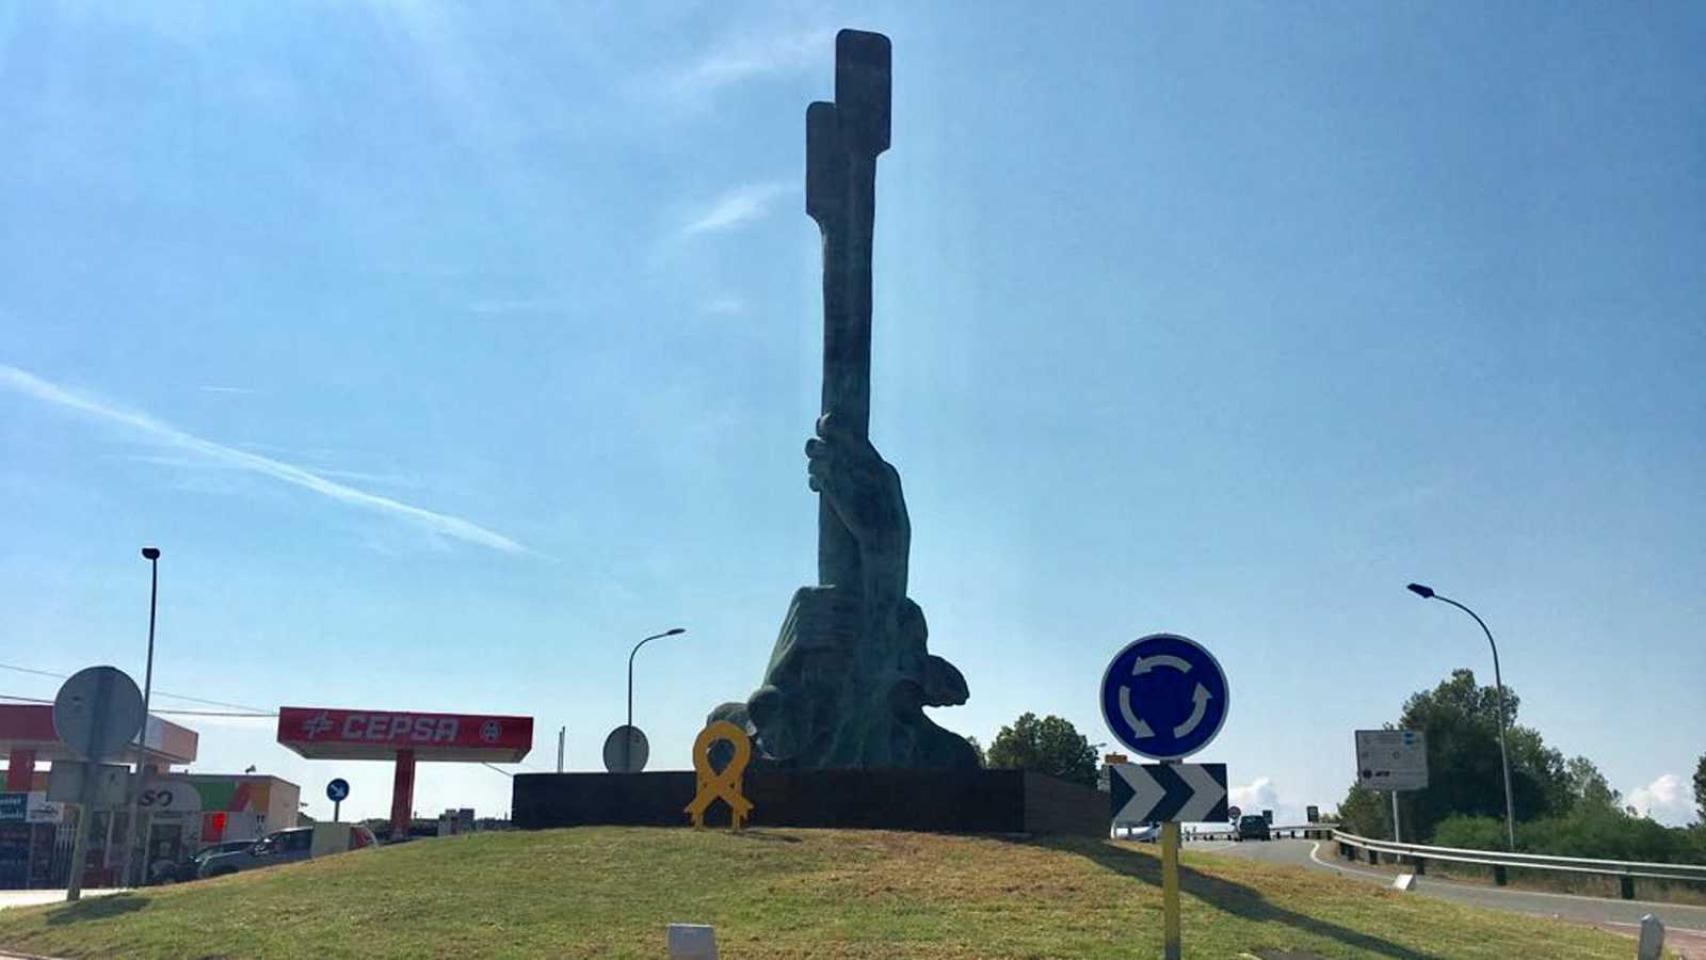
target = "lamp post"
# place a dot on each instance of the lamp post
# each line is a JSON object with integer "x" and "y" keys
{"x": 1427, "y": 593}
{"x": 152, "y": 555}
{"x": 629, "y": 738}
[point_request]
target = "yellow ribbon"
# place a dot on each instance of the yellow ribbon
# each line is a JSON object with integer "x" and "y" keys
{"x": 721, "y": 784}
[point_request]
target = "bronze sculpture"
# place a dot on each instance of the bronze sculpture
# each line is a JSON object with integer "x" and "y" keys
{"x": 850, "y": 675}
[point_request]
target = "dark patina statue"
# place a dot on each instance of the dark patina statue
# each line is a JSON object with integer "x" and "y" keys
{"x": 850, "y": 675}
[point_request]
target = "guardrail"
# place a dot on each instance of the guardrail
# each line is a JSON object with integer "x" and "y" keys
{"x": 1417, "y": 856}
{"x": 1303, "y": 831}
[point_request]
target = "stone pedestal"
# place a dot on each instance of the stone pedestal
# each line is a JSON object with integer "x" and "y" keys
{"x": 941, "y": 801}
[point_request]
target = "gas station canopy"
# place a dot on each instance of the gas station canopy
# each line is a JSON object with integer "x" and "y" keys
{"x": 26, "y": 729}
{"x": 323, "y": 733}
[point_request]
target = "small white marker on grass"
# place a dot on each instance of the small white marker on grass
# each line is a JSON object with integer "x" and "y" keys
{"x": 1652, "y": 943}
{"x": 692, "y": 941}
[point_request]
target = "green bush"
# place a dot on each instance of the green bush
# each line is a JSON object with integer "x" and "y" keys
{"x": 1470, "y": 833}
{"x": 1602, "y": 833}
{"x": 1606, "y": 835}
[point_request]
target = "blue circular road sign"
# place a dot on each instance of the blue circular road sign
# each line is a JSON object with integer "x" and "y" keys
{"x": 337, "y": 790}
{"x": 1164, "y": 696}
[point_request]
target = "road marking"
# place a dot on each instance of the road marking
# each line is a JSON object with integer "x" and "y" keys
{"x": 1668, "y": 929}
{"x": 1335, "y": 867}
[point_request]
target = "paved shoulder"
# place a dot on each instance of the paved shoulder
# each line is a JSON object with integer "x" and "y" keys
{"x": 31, "y": 898}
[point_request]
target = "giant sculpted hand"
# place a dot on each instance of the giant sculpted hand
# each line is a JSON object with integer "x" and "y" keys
{"x": 849, "y": 676}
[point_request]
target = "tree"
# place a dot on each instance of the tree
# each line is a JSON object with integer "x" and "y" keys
{"x": 1563, "y": 807}
{"x": 1050, "y": 745}
{"x": 1589, "y": 790}
{"x": 977, "y": 748}
{"x": 1700, "y": 790}
{"x": 1366, "y": 813}
{"x": 1460, "y": 719}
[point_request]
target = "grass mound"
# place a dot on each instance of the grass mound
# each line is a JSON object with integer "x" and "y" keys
{"x": 609, "y": 892}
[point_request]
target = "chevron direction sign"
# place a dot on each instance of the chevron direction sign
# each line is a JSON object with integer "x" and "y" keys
{"x": 1168, "y": 792}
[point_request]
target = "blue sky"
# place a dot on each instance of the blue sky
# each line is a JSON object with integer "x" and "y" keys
{"x": 446, "y": 352}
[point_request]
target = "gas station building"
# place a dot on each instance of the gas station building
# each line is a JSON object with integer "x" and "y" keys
{"x": 183, "y": 811}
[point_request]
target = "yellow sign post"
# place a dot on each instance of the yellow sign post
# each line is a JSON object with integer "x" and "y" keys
{"x": 1170, "y": 890}
{"x": 721, "y": 784}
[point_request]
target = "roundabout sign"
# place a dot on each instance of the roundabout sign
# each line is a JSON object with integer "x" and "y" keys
{"x": 1164, "y": 696}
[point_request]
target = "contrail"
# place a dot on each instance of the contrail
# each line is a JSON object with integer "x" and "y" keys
{"x": 31, "y": 385}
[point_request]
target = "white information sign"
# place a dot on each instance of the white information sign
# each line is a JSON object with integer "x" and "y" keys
{"x": 1392, "y": 760}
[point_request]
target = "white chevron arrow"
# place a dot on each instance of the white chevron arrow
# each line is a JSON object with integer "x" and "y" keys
{"x": 1140, "y": 730}
{"x": 1145, "y": 794}
{"x": 1206, "y": 793}
{"x": 1199, "y": 707}
{"x": 1146, "y": 664}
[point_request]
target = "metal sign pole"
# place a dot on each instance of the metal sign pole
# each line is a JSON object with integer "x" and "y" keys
{"x": 80, "y": 847}
{"x": 138, "y": 872}
{"x": 1170, "y": 889}
{"x": 86, "y": 808}
{"x": 96, "y": 713}
{"x": 336, "y": 804}
{"x": 1397, "y": 835}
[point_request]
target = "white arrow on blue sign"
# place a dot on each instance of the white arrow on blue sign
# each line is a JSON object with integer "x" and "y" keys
{"x": 338, "y": 790}
{"x": 1164, "y": 696}
{"x": 1164, "y": 792}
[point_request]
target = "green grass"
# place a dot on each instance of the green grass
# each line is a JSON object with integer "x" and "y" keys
{"x": 609, "y": 892}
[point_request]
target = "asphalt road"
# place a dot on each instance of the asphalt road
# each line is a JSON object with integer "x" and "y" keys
{"x": 1685, "y": 926}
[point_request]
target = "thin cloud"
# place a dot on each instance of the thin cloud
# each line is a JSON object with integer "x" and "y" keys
{"x": 30, "y": 385}
{"x": 752, "y": 56}
{"x": 725, "y": 306}
{"x": 738, "y": 207}
{"x": 212, "y": 388}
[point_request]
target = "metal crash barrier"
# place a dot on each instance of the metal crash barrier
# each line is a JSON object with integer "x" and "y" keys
{"x": 1416, "y": 856}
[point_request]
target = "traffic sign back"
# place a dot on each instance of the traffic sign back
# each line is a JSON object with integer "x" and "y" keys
{"x": 98, "y": 712}
{"x": 1164, "y": 696}
{"x": 626, "y": 750}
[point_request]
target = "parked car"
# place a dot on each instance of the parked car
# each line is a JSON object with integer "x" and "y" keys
{"x": 166, "y": 871}
{"x": 289, "y": 846}
{"x": 223, "y": 846}
{"x": 1253, "y": 826}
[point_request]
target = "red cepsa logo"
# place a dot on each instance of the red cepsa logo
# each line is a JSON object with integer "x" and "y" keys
{"x": 385, "y": 727}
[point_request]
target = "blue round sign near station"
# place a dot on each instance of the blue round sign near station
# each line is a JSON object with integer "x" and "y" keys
{"x": 337, "y": 790}
{"x": 1164, "y": 696}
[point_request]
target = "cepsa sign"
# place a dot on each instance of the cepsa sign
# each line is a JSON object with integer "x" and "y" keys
{"x": 379, "y": 735}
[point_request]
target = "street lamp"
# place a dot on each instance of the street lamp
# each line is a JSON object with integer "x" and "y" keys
{"x": 628, "y": 738}
{"x": 152, "y": 555}
{"x": 1427, "y": 593}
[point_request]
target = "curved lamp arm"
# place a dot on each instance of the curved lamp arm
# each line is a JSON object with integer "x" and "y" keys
{"x": 672, "y": 631}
